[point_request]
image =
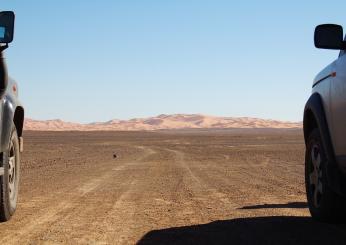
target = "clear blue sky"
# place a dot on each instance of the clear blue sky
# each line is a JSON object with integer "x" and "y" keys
{"x": 86, "y": 61}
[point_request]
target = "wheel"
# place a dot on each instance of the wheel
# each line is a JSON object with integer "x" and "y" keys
{"x": 324, "y": 204}
{"x": 9, "y": 182}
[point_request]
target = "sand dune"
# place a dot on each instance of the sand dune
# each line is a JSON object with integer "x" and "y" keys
{"x": 176, "y": 121}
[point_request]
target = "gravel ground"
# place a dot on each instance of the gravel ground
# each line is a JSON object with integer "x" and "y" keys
{"x": 183, "y": 187}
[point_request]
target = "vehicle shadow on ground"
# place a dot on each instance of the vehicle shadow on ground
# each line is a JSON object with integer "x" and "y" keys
{"x": 281, "y": 230}
{"x": 286, "y": 205}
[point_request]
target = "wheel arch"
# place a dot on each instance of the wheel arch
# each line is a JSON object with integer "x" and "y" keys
{"x": 12, "y": 113}
{"x": 315, "y": 117}
{"x": 309, "y": 123}
{"x": 18, "y": 120}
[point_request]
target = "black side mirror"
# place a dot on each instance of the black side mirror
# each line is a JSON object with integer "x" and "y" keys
{"x": 6, "y": 26}
{"x": 329, "y": 36}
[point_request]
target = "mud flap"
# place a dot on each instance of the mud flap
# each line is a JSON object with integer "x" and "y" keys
{"x": 21, "y": 144}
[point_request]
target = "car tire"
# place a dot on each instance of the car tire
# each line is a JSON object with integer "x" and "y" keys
{"x": 324, "y": 204}
{"x": 9, "y": 182}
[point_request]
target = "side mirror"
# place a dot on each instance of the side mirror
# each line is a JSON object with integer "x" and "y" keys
{"x": 329, "y": 36}
{"x": 6, "y": 26}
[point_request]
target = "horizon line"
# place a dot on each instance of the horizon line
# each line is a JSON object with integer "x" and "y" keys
{"x": 162, "y": 114}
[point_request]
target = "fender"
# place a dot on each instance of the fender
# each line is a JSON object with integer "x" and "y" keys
{"x": 8, "y": 109}
{"x": 3, "y": 75}
{"x": 314, "y": 116}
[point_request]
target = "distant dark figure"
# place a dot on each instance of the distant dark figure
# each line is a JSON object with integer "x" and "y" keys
{"x": 114, "y": 155}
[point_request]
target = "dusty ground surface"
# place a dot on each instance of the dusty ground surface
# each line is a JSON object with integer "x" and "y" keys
{"x": 234, "y": 187}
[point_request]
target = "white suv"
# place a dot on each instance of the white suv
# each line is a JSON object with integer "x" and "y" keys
{"x": 325, "y": 132}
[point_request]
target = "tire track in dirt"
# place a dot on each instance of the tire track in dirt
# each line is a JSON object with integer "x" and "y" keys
{"x": 197, "y": 196}
{"x": 158, "y": 181}
{"x": 236, "y": 190}
{"x": 119, "y": 223}
{"x": 75, "y": 205}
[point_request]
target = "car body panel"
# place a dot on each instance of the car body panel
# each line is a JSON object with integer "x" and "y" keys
{"x": 8, "y": 105}
{"x": 327, "y": 105}
{"x": 321, "y": 85}
{"x": 338, "y": 106}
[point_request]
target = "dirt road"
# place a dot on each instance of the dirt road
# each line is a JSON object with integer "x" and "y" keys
{"x": 224, "y": 187}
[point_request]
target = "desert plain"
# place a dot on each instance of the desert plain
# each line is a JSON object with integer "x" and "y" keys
{"x": 235, "y": 186}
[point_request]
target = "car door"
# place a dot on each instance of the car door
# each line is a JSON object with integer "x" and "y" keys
{"x": 338, "y": 108}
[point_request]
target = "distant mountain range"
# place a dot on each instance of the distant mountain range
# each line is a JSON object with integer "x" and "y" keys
{"x": 175, "y": 121}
